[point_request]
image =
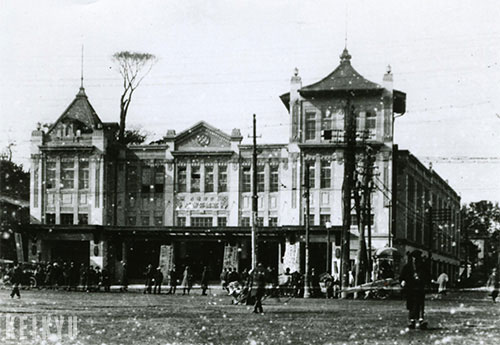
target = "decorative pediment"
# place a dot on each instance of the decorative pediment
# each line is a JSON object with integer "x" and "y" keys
{"x": 202, "y": 137}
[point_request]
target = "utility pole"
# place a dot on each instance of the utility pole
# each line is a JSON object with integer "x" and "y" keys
{"x": 349, "y": 163}
{"x": 368, "y": 203}
{"x": 307, "y": 292}
{"x": 254, "y": 196}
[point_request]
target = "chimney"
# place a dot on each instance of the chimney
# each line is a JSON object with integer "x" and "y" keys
{"x": 388, "y": 81}
{"x": 295, "y": 86}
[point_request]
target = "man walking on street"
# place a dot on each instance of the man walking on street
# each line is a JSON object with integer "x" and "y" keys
{"x": 16, "y": 278}
{"x": 414, "y": 278}
{"x": 204, "y": 281}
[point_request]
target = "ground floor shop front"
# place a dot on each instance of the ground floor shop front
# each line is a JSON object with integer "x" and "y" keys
{"x": 112, "y": 247}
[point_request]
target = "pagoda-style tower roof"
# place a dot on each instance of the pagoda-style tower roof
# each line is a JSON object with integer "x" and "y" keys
{"x": 81, "y": 112}
{"x": 342, "y": 80}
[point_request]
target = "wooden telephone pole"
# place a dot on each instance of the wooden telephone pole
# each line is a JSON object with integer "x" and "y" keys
{"x": 254, "y": 196}
{"x": 349, "y": 165}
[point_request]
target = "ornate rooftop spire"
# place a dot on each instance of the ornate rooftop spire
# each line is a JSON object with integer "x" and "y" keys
{"x": 345, "y": 56}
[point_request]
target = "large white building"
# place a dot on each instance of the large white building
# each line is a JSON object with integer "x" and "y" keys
{"x": 187, "y": 199}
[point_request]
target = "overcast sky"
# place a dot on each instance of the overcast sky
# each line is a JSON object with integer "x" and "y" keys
{"x": 223, "y": 60}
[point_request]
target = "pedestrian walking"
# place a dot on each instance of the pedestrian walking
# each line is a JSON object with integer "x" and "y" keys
{"x": 16, "y": 278}
{"x": 414, "y": 277}
{"x": 149, "y": 279}
{"x": 124, "y": 277}
{"x": 223, "y": 278}
{"x": 442, "y": 281}
{"x": 106, "y": 280}
{"x": 259, "y": 283}
{"x": 172, "y": 276}
{"x": 187, "y": 281}
{"x": 204, "y": 281}
{"x": 158, "y": 280}
{"x": 493, "y": 285}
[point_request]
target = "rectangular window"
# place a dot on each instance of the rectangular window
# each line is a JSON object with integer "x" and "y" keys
{"x": 311, "y": 219}
{"x": 326, "y": 174}
{"x": 273, "y": 221}
{"x": 371, "y": 120}
{"x": 146, "y": 180}
{"x": 159, "y": 178}
{"x": 195, "y": 179}
{"x": 97, "y": 184}
{"x": 145, "y": 219}
{"x": 310, "y": 126}
{"x": 131, "y": 199}
{"x": 323, "y": 219}
{"x": 201, "y": 222}
{"x": 326, "y": 119}
{"x": 50, "y": 218}
{"x": 131, "y": 220}
{"x": 158, "y": 218}
{"x": 260, "y": 221}
{"x": 181, "y": 221}
{"x": 181, "y": 179}
{"x": 145, "y": 201}
{"x": 35, "y": 185}
{"x": 67, "y": 218}
{"x": 209, "y": 179}
{"x": 245, "y": 221}
{"x": 83, "y": 219}
{"x": 222, "y": 179}
{"x": 83, "y": 175}
{"x": 51, "y": 175}
{"x": 312, "y": 175}
{"x": 274, "y": 179}
{"x": 247, "y": 179}
{"x": 411, "y": 191}
{"x": 260, "y": 178}
{"x": 132, "y": 178}
{"x": 221, "y": 221}
{"x": 68, "y": 175}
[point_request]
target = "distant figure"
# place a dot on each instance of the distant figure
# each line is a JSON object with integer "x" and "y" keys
{"x": 172, "y": 276}
{"x": 204, "y": 281}
{"x": 442, "y": 281}
{"x": 493, "y": 285}
{"x": 259, "y": 283}
{"x": 223, "y": 278}
{"x": 16, "y": 278}
{"x": 149, "y": 278}
{"x": 413, "y": 281}
{"x": 187, "y": 281}
{"x": 124, "y": 277}
{"x": 158, "y": 280}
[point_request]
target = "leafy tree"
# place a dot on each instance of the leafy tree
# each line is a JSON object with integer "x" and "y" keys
{"x": 14, "y": 181}
{"x": 133, "y": 67}
{"x": 134, "y": 136}
{"x": 482, "y": 217}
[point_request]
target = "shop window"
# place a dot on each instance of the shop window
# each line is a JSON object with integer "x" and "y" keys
{"x": 201, "y": 221}
{"x": 83, "y": 219}
{"x": 209, "y": 179}
{"x": 245, "y": 221}
{"x": 323, "y": 219}
{"x": 67, "y": 218}
{"x": 181, "y": 221}
{"x": 221, "y": 221}
{"x": 50, "y": 218}
{"x": 273, "y": 221}
{"x": 222, "y": 183}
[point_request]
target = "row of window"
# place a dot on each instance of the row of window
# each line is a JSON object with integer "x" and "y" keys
{"x": 67, "y": 218}
{"x": 329, "y": 120}
{"x": 196, "y": 181}
{"x": 261, "y": 179}
{"x": 67, "y": 175}
{"x": 325, "y": 175}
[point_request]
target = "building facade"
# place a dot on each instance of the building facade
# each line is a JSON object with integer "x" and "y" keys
{"x": 186, "y": 200}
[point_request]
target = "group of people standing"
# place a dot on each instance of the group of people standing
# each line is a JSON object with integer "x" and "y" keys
{"x": 155, "y": 278}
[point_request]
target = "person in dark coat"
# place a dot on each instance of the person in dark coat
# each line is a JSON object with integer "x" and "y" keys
{"x": 83, "y": 276}
{"x": 16, "y": 278}
{"x": 106, "y": 280}
{"x": 72, "y": 277}
{"x": 493, "y": 285}
{"x": 204, "y": 281}
{"x": 158, "y": 280}
{"x": 124, "y": 277}
{"x": 414, "y": 277}
{"x": 172, "y": 276}
{"x": 149, "y": 278}
{"x": 259, "y": 283}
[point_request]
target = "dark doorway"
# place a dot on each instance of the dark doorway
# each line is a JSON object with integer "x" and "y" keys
{"x": 140, "y": 255}
{"x": 70, "y": 251}
{"x": 200, "y": 254}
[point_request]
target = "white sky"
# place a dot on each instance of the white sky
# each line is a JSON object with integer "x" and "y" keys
{"x": 223, "y": 60}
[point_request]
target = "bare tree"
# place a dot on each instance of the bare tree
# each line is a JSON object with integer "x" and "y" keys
{"x": 133, "y": 68}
